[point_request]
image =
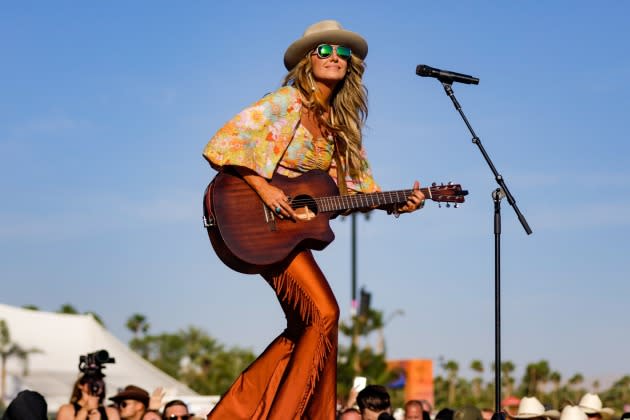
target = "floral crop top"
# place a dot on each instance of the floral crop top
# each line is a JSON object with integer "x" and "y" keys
{"x": 305, "y": 153}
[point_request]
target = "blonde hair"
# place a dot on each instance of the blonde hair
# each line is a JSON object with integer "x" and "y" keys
{"x": 348, "y": 108}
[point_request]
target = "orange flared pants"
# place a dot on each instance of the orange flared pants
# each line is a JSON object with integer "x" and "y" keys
{"x": 296, "y": 376}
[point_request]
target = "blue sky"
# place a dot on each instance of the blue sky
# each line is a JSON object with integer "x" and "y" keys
{"x": 105, "y": 109}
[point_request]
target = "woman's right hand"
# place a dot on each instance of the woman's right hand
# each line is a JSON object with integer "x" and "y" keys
{"x": 275, "y": 199}
{"x": 271, "y": 195}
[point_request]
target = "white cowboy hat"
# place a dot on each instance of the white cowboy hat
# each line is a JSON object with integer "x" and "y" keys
{"x": 325, "y": 31}
{"x": 530, "y": 408}
{"x": 592, "y": 404}
{"x": 573, "y": 412}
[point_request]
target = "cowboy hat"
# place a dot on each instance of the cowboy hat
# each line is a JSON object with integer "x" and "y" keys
{"x": 572, "y": 412}
{"x": 320, "y": 32}
{"x": 592, "y": 404}
{"x": 132, "y": 392}
{"x": 530, "y": 408}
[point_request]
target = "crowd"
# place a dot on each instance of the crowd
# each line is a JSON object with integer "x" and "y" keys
{"x": 131, "y": 403}
{"x": 373, "y": 403}
{"x": 88, "y": 402}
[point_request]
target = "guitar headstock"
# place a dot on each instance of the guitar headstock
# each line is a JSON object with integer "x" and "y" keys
{"x": 449, "y": 193}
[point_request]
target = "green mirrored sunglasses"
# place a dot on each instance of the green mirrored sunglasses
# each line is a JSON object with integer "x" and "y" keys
{"x": 326, "y": 50}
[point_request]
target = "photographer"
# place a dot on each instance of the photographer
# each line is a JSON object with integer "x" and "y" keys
{"x": 88, "y": 393}
{"x": 84, "y": 405}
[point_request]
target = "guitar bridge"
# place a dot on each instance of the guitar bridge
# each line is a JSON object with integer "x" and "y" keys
{"x": 270, "y": 218}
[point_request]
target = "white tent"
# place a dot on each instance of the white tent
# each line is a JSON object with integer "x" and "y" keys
{"x": 61, "y": 339}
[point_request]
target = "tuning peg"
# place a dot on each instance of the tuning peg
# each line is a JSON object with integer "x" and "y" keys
{"x": 439, "y": 205}
{"x": 456, "y": 205}
{"x": 433, "y": 184}
{"x": 450, "y": 183}
{"x": 448, "y": 205}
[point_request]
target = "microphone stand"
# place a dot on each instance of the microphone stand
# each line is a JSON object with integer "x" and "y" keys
{"x": 497, "y": 195}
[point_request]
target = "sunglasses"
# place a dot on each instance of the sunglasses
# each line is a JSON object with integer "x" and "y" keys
{"x": 326, "y": 50}
{"x": 124, "y": 404}
{"x": 182, "y": 417}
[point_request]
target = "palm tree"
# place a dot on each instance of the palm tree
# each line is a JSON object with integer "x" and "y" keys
{"x": 574, "y": 381}
{"x": 477, "y": 366}
{"x": 535, "y": 374}
{"x": 137, "y": 323}
{"x": 451, "y": 367}
{"x": 596, "y": 386}
{"x": 555, "y": 377}
{"x": 507, "y": 382}
{"x": 10, "y": 349}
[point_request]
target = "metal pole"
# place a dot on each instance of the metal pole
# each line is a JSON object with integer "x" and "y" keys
{"x": 354, "y": 305}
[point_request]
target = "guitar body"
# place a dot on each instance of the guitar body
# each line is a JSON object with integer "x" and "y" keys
{"x": 248, "y": 237}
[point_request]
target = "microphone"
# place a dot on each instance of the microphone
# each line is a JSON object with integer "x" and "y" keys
{"x": 445, "y": 75}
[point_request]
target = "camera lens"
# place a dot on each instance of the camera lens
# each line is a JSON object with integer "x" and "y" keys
{"x": 101, "y": 356}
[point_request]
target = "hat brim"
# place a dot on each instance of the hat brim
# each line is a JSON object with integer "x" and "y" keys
{"x": 130, "y": 396}
{"x": 552, "y": 414}
{"x": 606, "y": 411}
{"x": 302, "y": 46}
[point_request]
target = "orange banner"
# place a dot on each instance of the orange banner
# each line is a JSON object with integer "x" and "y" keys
{"x": 418, "y": 378}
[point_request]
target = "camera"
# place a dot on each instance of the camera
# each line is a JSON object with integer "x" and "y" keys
{"x": 91, "y": 365}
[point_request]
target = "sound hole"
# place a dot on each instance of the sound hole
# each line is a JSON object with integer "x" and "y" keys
{"x": 305, "y": 207}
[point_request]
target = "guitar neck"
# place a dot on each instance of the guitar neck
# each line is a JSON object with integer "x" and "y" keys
{"x": 337, "y": 203}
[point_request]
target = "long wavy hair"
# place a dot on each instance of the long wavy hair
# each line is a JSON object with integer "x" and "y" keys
{"x": 347, "y": 109}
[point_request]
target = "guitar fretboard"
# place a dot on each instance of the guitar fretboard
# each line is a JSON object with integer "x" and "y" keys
{"x": 359, "y": 201}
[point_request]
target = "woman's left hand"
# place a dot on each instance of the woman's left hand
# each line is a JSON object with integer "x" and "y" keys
{"x": 415, "y": 201}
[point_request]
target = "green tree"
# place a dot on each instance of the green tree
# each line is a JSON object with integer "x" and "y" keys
{"x": 574, "y": 382}
{"x": 507, "y": 368}
{"x": 555, "y": 377}
{"x": 360, "y": 358}
{"x": 477, "y": 367}
{"x": 451, "y": 367}
{"x": 619, "y": 392}
{"x": 68, "y": 308}
{"x": 137, "y": 324}
{"x": 535, "y": 375}
{"x": 195, "y": 358}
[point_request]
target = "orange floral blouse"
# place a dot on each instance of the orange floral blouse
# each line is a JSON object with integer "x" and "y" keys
{"x": 258, "y": 138}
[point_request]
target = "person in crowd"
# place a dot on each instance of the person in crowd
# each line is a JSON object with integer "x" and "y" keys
{"x": 132, "y": 402}
{"x": 155, "y": 402}
{"x": 176, "y": 410}
{"x": 84, "y": 404}
{"x": 467, "y": 413}
{"x": 350, "y": 414}
{"x": 373, "y": 401}
{"x": 592, "y": 406}
{"x": 27, "y": 404}
{"x": 445, "y": 414}
{"x": 414, "y": 410}
{"x": 573, "y": 412}
{"x": 487, "y": 413}
{"x": 532, "y": 408}
{"x": 152, "y": 414}
{"x": 313, "y": 122}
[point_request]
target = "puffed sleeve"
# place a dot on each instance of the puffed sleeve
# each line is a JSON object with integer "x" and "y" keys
{"x": 257, "y": 137}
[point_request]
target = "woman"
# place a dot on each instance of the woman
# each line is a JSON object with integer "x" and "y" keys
{"x": 313, "y": 122}
{"x": 85, "y": 406}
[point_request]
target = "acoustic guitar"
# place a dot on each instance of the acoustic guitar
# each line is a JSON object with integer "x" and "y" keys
{"x": 249, "y": 237}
